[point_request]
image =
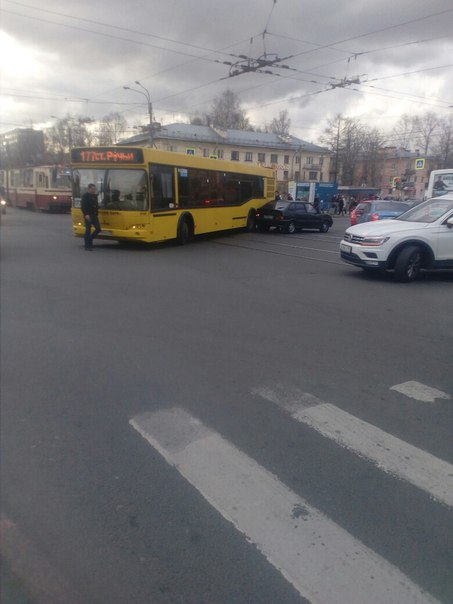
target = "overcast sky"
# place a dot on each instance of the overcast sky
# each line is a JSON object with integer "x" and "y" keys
{"x": 60, "y": 58}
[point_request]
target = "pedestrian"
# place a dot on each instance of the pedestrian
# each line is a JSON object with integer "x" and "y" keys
{"x": 278, "y": 197}
{"x": 90, "y": 209}
{"x": 317, "y": 204}
{"x": 340, "y": 206}
{"x": 289, "y": 197}
{"x": 335, "y": 204}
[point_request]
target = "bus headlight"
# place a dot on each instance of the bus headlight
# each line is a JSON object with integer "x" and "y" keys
{"x": 138, "y": 226}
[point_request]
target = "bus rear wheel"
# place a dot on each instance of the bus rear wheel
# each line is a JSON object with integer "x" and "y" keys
{"x": 184, "y": 233}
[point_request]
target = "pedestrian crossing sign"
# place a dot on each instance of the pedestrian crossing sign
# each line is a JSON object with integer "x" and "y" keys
{"x": 420, "y": 164}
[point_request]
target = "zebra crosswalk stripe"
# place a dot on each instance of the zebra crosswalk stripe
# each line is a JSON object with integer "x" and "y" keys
{"x": 387, "y": 452}
{"x": 321, "y": 560}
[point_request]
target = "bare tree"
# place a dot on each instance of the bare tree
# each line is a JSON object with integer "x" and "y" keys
{"x": 345, "y": 138}
{"x": 111, "y": 128}
{"x": 404, "y": 131}
{"x": 226, "y": 112}
{"x": 425, "y": 127}
{"x": 281, "y": 124}
{"x": 443, "y": 148}
{"x": 70, "y": 131}
{"x": 373, "y": 141}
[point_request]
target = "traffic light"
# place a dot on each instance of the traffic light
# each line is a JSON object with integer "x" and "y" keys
{"x": 396, "y": 182}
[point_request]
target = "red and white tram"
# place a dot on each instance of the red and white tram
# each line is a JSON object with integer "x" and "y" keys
{"x": 45, "y": 188}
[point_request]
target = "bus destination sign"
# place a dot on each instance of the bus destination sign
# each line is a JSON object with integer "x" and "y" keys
{"x": 119, "y": 155}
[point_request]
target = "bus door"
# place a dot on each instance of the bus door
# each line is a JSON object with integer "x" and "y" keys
{"x": 164, "y": 217}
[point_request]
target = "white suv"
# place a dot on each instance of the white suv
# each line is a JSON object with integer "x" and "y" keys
{"x": 421, "y": 238}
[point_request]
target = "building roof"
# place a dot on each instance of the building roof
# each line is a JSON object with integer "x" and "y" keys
{"x": 210, "y": 134}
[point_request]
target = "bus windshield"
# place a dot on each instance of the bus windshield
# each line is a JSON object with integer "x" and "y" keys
{"x": 125, "y": 190}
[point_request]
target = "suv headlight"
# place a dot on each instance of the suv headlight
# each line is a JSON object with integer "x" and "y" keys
{"x": 373, "y": 241}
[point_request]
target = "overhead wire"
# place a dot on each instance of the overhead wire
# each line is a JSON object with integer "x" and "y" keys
{"x": 221, "y": 51}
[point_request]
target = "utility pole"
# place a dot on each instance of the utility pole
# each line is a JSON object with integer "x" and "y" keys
{"x": 146, "y": 94}
{"x": 336, "y": 151}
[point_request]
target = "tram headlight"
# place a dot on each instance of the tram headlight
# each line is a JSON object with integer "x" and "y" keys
{"x": 137, "y": 226}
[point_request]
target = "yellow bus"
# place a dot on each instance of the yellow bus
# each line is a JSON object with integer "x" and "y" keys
{"x": 150, "y": 195}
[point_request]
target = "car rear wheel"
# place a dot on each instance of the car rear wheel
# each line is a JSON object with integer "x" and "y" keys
{"x": 251, "y": 222}
{"x": 408, "y": 264}
{"x": 291, "y": 228}
{"x": 325, "y": 226}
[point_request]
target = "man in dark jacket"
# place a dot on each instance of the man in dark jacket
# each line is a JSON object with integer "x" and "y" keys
{"x": 90, "y": 209}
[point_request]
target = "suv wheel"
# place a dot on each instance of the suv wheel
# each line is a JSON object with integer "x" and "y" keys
{"x": 408, "y": 264}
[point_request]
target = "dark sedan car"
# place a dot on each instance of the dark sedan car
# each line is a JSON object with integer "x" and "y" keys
{"x": 291, "y": 216}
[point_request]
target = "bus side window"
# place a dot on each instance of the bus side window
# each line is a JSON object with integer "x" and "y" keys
{"x": 162, "y": 187}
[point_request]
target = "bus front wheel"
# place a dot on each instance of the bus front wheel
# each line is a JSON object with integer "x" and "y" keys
{"x": 185, "y": 231}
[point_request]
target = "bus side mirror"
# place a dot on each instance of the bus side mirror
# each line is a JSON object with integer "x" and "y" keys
{"x": 450, "y": 223}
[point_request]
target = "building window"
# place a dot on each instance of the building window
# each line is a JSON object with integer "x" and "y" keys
{"x": 235, "y": 155}
{"x": 309, "y": 161}
{"x": 298, "y": 159}
{"x": 248, "y": 156}
{"x": 286, "y": 160}
{"x": 262, "y": 157}
{"x": 274, "y": 158}
{"x": 312, "y": 175}
{"x": 205, "y": 152}
{"x": 297, "y": 175}
{"x": 285, "y": 174}
{"x": 220, "y": 153}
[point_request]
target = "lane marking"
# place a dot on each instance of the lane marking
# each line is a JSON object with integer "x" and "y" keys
{"x": 420, "y": 392}
{"x": 320, "y": 559}
{"x": 385, "y": 451}
{"x": 277, "y": 253}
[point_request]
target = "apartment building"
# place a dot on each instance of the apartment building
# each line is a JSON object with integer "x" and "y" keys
{"x": 294, "y": 159}
{"x": 397, "y": 172}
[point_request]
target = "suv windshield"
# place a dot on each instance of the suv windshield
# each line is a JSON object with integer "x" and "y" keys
{"x": 429, "y": 211}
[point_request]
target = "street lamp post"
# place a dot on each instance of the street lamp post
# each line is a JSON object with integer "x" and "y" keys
{"x": 145, "y": 93}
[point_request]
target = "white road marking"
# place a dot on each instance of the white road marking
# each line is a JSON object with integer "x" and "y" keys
{"x": 420, "y": 392}
{"x": 387, "y": 452}
{"x": 323, "y": 562}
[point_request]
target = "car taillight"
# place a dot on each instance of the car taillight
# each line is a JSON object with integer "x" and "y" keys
{"x": 375, "y": 216}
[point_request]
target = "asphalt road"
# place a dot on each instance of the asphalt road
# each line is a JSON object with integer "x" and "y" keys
{"x": 244, "y": 420}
